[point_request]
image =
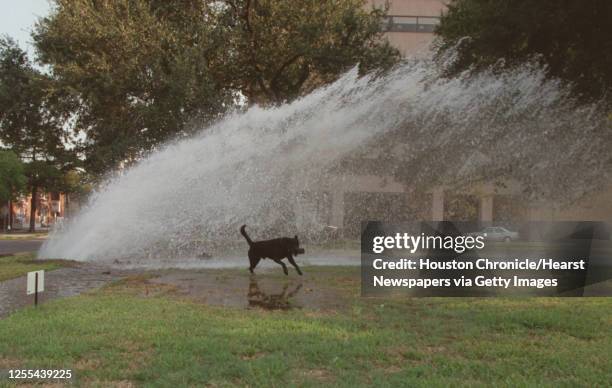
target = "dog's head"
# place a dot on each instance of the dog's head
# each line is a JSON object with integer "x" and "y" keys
{"x": 295, "y": 247}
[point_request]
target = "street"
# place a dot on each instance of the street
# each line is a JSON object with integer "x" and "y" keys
{"x": 8, "y": 247}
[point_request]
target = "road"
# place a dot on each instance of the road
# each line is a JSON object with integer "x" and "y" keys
{"x": 8, "y": 247}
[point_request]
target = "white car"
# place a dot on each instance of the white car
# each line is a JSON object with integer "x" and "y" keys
{"x": 497, "y": 233}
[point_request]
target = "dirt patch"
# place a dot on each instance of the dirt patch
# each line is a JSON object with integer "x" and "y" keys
{"x": 264, "y": 290}
{"x": 322, "y": 375}
{"x": 141, "y": 285}
{"x": 88, "y": 363}
{"x": 393, "y": 369}
{"x": 137, "y": 355}
{"x": 435, "y": 349}
{"x": 254, "y": 356}
{"x": 115, "y": 384}
{"x": 10, "y": 363}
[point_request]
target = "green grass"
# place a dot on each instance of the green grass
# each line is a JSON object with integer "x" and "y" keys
{"x": 14, "y": 266}
{"x": 23, "y": 236}
{"x": 116, "y": 335}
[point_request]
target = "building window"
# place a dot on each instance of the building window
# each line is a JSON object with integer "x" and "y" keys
{"x": 398, "y": 23}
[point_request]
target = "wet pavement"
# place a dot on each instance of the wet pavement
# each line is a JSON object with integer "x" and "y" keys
{"x": 58, "y": 284}
{"x": 8, "y": 247}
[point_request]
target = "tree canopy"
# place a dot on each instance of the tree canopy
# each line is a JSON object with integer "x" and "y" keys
{"x": 31, "y": 118}
{"x": 12, "y": 177}
{"x": 573, "y": 39}
{"x": 144, "y": 71}
{"x": 33, "y": 115}
{"x": 141, "y": 70}
{"x": 281, "y": 49}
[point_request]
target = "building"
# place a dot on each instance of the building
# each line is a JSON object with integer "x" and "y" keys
{"x": 50, "y": 209}
{"x": 410, "y": 24}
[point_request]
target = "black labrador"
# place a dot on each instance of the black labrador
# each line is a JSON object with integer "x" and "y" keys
{"x": 276, "y": 249}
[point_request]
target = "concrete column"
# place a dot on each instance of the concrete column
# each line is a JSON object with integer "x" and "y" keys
{"x": 437, "y": 205}
{"x": 337, "y": 208}
{"x": 486, "y": 208}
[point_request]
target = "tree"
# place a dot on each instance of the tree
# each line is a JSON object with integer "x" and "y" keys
{"x": 283, "y": 49}
{"x": 141, "y": 71}
{"x": 12, "y": 181}
{"x": 12, "y": 177}
{"x": 76, "y": 182}
{"x": 31, "y": 120}
{"x": 145, "y": 71}
{"x": 573, "y": 39}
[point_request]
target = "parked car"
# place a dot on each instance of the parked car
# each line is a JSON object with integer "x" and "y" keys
{"x": 497, "y": 233}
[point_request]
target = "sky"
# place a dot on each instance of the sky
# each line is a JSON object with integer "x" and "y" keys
{"x": 17, "y": 17}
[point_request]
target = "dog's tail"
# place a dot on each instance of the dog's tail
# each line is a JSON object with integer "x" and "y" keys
{"x": 246, "y": 236}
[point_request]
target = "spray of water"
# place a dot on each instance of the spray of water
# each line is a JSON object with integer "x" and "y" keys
{"x": 413, "y": 124}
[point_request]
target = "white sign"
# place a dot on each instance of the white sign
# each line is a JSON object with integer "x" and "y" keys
{"x": 32, "y": 281}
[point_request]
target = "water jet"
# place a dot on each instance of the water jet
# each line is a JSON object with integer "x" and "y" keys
{"x": 296, "y": 168}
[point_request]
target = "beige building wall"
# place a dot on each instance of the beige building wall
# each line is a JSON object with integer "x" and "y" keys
{"x": 410, "y": 23}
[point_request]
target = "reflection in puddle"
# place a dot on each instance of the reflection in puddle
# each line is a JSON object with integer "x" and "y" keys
{"x": 269, "y": 301}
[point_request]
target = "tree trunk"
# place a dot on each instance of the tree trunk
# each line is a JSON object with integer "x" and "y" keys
{"x": 10, "y": 216}
{"x": 33, "y": 209}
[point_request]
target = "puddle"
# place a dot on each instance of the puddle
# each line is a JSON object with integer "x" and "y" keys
{"x": 267, "y": 289}
{"x": 263, "y": 290}
{"x": 271, "y": 301}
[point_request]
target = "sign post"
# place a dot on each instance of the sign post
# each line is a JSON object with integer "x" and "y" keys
{"x": 36, "y": 284}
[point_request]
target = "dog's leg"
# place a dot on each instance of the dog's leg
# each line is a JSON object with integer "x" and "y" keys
{"x": 294, "y": 264}
{"x": 253, "y": 260}
{"x": 284, "y": 266}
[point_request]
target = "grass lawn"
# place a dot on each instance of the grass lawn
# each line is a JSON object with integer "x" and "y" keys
{"x": 13, "y": 266}
{"x": 22, "y": 236}
{"x": 120, "y": 335}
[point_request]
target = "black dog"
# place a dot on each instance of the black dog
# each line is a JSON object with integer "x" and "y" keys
{"x": 276, "y": 249}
